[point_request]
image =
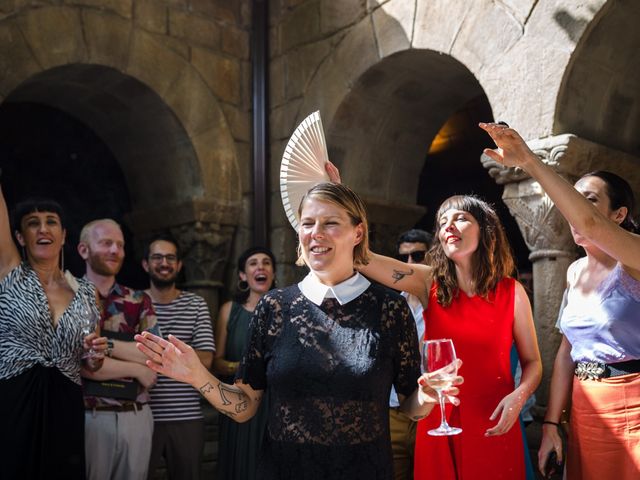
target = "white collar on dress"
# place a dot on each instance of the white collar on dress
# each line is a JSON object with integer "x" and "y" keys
{"x": 344, "y": 292}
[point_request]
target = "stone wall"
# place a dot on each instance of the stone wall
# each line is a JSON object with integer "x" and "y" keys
{"x": 184, "y": 150}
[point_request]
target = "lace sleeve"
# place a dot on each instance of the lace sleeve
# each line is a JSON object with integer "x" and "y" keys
{"x": 253, "y": 366}
{"x": 407, "y": 358}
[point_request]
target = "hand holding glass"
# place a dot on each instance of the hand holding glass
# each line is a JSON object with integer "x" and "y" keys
{"x": 439, "y": 359}
{"x": 88, "y": 323}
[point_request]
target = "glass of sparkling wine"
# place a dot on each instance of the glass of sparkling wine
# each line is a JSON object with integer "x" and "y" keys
{"x": 88, "y": 324}
{"x": 439, "y": 359}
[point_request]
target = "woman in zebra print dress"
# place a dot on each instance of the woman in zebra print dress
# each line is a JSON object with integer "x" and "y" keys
{"x": 41, "y": 348}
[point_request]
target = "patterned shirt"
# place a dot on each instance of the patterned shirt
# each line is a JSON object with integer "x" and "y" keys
{"x": 28, "y": 336}
{"x": 129, "y": 311}
{"x": 187, "y": 318}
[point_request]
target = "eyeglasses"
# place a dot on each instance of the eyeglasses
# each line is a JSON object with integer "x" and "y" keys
{"x": 158, "y": 257}
{"x": 417, "y": 256}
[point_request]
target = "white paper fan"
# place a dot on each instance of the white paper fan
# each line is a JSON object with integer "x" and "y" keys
{"x": 303, "y": 165}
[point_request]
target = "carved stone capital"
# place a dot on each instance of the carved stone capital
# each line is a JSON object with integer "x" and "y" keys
{"x": 205, "y": 252}
{"x": 572, "y": 157}
{"x": 544, "y": 229}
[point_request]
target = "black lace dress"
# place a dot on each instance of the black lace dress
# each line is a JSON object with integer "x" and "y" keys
{"x": 328, "y": 371}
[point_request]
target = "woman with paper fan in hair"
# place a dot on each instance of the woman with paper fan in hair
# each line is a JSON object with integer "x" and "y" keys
{"x": 326, "y": 351}
{"x": 42, "y": 343}
{"x": 597, "y": 365}
{"x": 239, "y": 443}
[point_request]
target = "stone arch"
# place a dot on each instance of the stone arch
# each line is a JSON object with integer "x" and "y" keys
{"x": 381, "y": 132}
{"x": 109, "y": 62}
{"x": 500, "y": 46}
{"x": 599, "y": 99}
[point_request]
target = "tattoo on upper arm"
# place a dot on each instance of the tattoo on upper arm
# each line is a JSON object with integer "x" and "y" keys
{"x": 399, "y": 275}
{"x": 417, "y": 418}
{"x": 206, "y": 388}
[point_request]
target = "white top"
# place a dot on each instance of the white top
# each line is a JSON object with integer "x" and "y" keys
{"x": 419, "y": 319}
{"x": 344, "y": 292}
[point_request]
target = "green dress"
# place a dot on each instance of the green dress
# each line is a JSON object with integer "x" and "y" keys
{"x": 240, "y": 443}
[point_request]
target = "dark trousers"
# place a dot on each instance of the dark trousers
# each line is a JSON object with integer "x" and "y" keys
{"x": 181, "y": 443}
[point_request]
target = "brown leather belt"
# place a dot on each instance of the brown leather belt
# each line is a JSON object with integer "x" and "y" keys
{"x": 125, "y": 407}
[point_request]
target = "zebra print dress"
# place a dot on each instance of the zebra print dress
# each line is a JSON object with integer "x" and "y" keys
{"x": 41, "y": 406}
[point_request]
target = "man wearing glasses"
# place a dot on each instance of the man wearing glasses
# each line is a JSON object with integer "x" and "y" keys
{"x": 178, "y": 433}
{"x": 412, "y": 247}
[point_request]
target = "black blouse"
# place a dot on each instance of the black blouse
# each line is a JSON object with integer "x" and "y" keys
{"x": 328, "y": 371}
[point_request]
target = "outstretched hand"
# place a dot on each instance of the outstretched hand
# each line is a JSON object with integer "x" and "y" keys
{"x": 512, "y": 150}
{"x": 508, "y": 411}
{"x": 172, "y": 358}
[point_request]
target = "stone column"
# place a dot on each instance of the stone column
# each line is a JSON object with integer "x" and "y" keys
{"x": 548, "y": 237}
{"x": 546, "y": 232}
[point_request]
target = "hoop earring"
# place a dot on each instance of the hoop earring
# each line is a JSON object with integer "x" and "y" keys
{"x": 243, "y": 286}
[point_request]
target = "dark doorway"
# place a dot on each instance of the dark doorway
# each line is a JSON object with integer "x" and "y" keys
{"x": 453, "y": 167}
{"x": 45, "y": 152}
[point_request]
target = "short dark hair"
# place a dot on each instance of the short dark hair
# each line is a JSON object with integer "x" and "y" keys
{"x": 249, "y": 252}
{"x": 415, "y": 235}
{"x": 241, "y": 296}
{"x": 165, "y": 237}
{"x": 35, "y": 204}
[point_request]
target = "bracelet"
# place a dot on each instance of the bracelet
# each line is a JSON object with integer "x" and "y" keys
{"x": 110, "y": 345}
{"x": 551, "y": 423}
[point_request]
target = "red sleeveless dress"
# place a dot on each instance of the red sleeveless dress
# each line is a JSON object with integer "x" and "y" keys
{"x": 482, "y": 333}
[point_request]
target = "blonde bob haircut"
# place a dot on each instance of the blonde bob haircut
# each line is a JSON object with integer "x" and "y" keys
{"x": 348, "y": 200}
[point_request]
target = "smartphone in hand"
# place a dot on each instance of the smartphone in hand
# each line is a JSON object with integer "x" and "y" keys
{"x": 552, "y": 468}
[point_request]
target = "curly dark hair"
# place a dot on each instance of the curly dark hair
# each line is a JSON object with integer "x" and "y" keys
{"x": 491, "y": 262}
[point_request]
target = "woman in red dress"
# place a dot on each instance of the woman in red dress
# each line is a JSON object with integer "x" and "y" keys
{"x": 469, "y": 296}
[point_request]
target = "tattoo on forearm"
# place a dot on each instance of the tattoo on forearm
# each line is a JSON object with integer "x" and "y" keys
{"x": 242, "y": 406}
{"x": 206, "y": 388}
{"x": 399, "y": 275}
{"x": 225, "y": 390}
{"x": 228, "y": 414}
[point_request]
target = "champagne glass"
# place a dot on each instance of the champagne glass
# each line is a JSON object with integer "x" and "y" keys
{"x": 88, "y": 323}
{"x": 439, "y": 358}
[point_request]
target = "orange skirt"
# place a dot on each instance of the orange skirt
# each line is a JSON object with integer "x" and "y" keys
{"x": 604, "y": 435}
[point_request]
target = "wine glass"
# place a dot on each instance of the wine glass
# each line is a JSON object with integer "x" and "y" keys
{"x": 439, "y": 358}
{"x": 88, "y": 323}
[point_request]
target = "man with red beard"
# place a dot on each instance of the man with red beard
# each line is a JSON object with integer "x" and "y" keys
{"x": 178, "y": 433}
{"x": 118, "y": 419}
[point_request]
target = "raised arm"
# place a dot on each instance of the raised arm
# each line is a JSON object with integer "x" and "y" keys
{"x": 9, "y": 256}
{"x": 579, "y": 212}
{"x": 413, "y": 278}
{"x": 179, "y": 361}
